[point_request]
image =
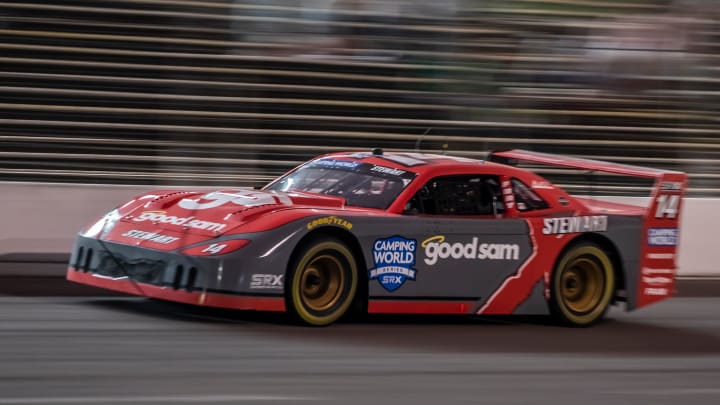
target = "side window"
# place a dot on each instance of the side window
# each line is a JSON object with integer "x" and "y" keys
{"x": 525, "y": 198}
{"x": 458, "y": 195}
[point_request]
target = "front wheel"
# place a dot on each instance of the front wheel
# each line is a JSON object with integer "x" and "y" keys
{"x": 322, "y": 282}
{"x": 582, "y": 287}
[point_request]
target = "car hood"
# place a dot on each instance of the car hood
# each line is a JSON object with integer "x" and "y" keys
{"x": 215, "y": 213}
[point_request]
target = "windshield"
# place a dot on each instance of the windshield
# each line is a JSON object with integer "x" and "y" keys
{"x": 361, "y": 184}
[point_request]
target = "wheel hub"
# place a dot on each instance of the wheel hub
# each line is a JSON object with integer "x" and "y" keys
{"x": 321, "y": 283}
{"x": 582, "y": 284}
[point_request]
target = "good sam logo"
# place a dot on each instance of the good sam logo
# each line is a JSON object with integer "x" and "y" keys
{"x": 436, "y": 248}
{"x": 394, "y": 260}
{"x": 190, "y": 222}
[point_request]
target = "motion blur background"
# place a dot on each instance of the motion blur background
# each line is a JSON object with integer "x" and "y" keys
{"x": 149, "y": 93}
{"x": 164, "y": 92}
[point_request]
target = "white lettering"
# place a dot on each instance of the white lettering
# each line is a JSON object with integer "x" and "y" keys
{"x": 150, "y": 236}
{"x": 660, "y": 256}
{"x": 190, "y": 222}
{"x": 657, "y": 280}
{"x": 392, "y": 279}
{"x": 656, "y": 291}
{"x": 395, "y": 245}
{"x": 214, "y": 248}
{"x": 541, "y": 185}
{"x": 247, "y": 198}
{"x": 388, "y": 170}
{"x": 436, "y": 248}
{"x": 662, "y": 236}
{"x": 597, "y": 223}
{"x": 667, "y": 206}
{"x": 649, "y": 271}
{"x": 266, "y": 281}
{"x": 671, "y": 186}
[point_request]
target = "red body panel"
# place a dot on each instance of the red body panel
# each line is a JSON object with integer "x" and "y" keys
{"x": 599, "y": 206}
{"x": 517, "y": 288}
{"x": 659, "y": 263}
{"x": 430, "y": 307}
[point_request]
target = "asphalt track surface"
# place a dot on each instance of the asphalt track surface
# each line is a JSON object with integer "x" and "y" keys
{"x": 119, "y": 350}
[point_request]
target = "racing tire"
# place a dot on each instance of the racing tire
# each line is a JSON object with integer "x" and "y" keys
{"x": 582, "y": 285}
{"x": 322, "y": 282}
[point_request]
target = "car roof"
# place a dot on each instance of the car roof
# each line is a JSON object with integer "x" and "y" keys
{"x": 417, "y": 162}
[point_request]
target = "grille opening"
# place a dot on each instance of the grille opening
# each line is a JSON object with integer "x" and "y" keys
{"x": 88, "y": 259}
{"x": 79, "y": 258}
{"x": 178, "y": 277}
{"x": 192, "y": 275}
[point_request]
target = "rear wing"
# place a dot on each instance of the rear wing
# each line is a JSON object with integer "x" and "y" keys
{"x": 661, "y": 221}
{"x": 577, "y": 163}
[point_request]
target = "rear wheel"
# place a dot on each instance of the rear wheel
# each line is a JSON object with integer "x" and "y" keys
{"x": 582, "y": 285}
{"x": 323, "y": 280}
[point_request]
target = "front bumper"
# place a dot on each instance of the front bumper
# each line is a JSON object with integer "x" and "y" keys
{"x": 162, "y": 275}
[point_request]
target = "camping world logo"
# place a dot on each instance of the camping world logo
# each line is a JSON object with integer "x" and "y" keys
{"x": 394, "y": 260}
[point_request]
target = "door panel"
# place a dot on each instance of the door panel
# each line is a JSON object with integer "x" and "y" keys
{"x": 453, "y": 243}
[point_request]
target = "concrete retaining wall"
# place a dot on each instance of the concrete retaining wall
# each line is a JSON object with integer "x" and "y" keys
{"x": 39, "y": 222}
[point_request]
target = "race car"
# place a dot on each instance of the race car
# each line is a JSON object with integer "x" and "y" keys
{"x": 402, "y": 233}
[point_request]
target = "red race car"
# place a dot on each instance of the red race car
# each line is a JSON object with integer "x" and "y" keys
{"x": 394, "y": 233}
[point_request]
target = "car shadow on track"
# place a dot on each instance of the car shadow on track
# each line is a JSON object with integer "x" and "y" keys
{"x": 454, "y": 334}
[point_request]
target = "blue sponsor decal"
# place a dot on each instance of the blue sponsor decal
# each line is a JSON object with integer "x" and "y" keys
{"x": 332, "y": 164}
{"x": 662, "y": 236}
{"x": 394, "y": 260}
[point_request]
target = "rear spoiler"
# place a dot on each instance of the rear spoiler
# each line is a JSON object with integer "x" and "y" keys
{"x": 576, "y": 163}
{"x": 661, "y": 221}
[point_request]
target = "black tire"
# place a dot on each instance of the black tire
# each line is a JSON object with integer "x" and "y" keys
{"x": 583, "y": 284}
{"x": 322, "y": 281}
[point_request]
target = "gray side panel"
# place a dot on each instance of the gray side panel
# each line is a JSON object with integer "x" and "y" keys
{"x": 249, "y": 269}
{"x": 453, "y": 258}
{"x": 626, "y": 233}
{"x": 535, "y": 304}
{"x": 442, "y": 268}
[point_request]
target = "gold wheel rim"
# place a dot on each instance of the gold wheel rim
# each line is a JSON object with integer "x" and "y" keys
{"x": 582, "y": 285}
{"x": 321, "y": 283}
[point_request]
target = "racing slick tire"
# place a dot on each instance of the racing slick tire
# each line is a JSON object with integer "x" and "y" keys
{"x": 582, "y": 285}
{"x": 322, "y": 282}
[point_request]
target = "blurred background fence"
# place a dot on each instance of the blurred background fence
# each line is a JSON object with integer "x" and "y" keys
{"x": 236, "y": 92}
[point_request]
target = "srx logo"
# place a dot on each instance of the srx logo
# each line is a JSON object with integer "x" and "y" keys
{"x": 667, "y": 206}
{"x": 392, "y": 279}
{"x": 266, "y": 281}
